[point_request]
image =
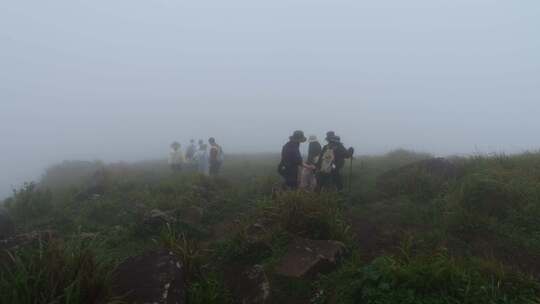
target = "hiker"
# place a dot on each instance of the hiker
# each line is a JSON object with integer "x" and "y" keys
{"x": 215, "y": 156}
{"x": 308, "y": 179}
{"x": 291, "y": 160}
{"x": 314, "y": 150}
{"x": 331, "y": 161}
{"x": 201, "y": 159}
{"x": 176, "y": 158}
{"x": 191, "y": 150}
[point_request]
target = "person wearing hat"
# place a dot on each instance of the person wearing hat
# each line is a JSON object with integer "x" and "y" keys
{"x": 331, "y": 161}
{"x": 191, "y": 150}
{"x": 215, "y": 156}
{"x": 176, "y": 157}
{"x": 291, "y": 160}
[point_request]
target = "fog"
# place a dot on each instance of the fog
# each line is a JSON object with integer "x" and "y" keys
{"x": 121, "y": 79}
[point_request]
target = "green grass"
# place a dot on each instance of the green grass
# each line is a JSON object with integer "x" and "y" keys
{"x": 451, "y": 244}
{"x": 431, "y": 279}
{"x": 55, "y": 272}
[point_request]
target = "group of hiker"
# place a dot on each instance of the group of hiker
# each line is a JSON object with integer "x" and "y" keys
{"x": 205, "y": 158}
{"x": 321, "y": 170}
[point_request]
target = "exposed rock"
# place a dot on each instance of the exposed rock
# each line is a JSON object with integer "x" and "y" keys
{"x": 192, "y": 215}
{"x": 27, "y": 238}
{"x": 307, "y": 258}
{"x": 249, "y": 285}
{"x": 87, "y": 236}
{"x": 154, "y": 277}
{"x": 157, "y": 218}
{"x": 424, "y": 178}
{"x": 7, "y": 227}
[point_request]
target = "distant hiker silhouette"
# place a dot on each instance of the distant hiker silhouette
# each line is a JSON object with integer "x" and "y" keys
{"x": 215, "y": 157}
{"x": 191, "y": 150}
{"x": 176, "y": 157}
{"x": 201, "y": 158}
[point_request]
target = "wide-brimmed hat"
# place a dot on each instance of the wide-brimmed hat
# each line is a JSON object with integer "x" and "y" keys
{"x": 333, "y": 139}
{"x": 331, "y": 136}
{"x": 298, "y": 136}
{"x": 312, "y": 138}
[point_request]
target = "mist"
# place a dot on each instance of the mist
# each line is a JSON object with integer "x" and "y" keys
{"x": 119, "y": 80}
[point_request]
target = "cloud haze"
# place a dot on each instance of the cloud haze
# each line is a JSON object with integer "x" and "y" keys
{"x": 119, "y": 79}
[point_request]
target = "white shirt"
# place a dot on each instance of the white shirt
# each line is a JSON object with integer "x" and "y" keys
{"x": 176, "y": 157}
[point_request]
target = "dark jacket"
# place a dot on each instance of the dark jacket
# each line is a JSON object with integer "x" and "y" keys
{"x": 314, "y": 151}
{"x": 290, "y": 155}
{"x": 340, "y": 154}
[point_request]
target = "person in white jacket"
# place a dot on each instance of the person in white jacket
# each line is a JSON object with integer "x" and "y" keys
{"x": 176, "y": 157}
{"x": 201, "y": 159}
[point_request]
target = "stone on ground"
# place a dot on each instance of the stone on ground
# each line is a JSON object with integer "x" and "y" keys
{"x": 248, "y": 285}
{"x": 157, "y": 218}
{"x": 308, "y": 258}
{"x": 153, "y": 277}
{"x": 191, "y": 215}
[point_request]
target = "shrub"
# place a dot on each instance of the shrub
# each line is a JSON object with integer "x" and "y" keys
{"x": 429, "y": 279}
{"x": 30, "y": 202}
{"x": 486, "y": 196}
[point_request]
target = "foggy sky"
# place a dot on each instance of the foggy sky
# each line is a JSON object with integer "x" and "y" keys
{"x": 120, "y": 79}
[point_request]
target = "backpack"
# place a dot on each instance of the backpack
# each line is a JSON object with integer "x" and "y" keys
{"x": 327, "y": 162}
{"x": 219, "y": 153}
{"x": 282, "y": 169}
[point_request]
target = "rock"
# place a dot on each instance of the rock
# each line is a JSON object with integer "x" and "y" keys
{"x": 425, "y": 179}
{"x": 7, "y": 227}
{"x": 248, "y": 284}
{"x": 157, "y": 218}
{"x": 154, "y": 277}
{"x": 27, "y": 238}
{"x": 307, "y": 258}
{"x": 87, "y": 236}
{"x": 192, "y": 215}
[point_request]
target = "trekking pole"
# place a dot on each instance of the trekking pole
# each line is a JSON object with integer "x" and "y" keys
{"x": 350, "y": 174}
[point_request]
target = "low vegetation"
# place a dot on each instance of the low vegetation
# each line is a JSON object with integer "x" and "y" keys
{"x": 472, "y": 236}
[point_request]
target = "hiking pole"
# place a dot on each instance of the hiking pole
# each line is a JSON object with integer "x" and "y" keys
{"x": 350, "y": 174}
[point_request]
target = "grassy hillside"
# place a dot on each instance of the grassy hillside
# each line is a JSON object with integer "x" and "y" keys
{"x": 412, "y": 234}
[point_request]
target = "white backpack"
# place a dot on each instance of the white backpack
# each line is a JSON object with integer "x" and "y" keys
{"x": 327, "y": 164}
